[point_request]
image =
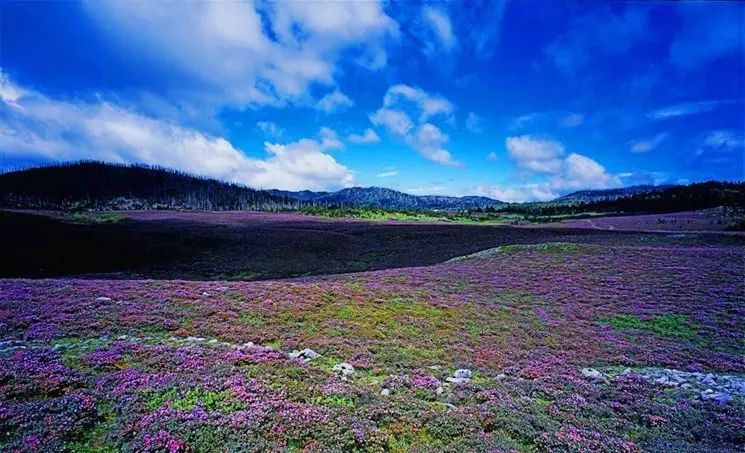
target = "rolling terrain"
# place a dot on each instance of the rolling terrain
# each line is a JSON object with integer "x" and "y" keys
{"x": 189, "y": 330}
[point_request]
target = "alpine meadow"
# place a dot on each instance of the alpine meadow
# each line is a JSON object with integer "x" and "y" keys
{"x": 372, "y": 226}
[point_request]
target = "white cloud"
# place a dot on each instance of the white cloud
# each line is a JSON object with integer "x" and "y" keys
{"x": 330, "y": 139}
{"x": 546, "y": 157}
{"x": 428, "y": 105}
{"x": 687, "y": 108}
{"x": 724, "y": 139}
{"x": 529, "y": 192}
{"x": 492, "y": 156}
{"x": 573, "y": 120}
{"x": 474, "y": 123}
{"x": 400, "y": 104}
{"x": 533, "y": 154}
{"x": 387, "y": 174}
{"x": 396, "y": 121}
{"x": 580, "y": 172}
{"x": 333, "y": 102}
{"x": 644, "y": 146}
{"x": 248, "y": 53}
{"x": 270, "y": 129}
{"x": 429, "y": 141}
{"x": 440, "y": 26}
{"x": 55, "y": 130}
{"x": 369, "y": 136}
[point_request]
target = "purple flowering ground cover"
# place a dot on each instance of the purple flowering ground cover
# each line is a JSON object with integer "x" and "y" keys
{"x": 181, "y": 366}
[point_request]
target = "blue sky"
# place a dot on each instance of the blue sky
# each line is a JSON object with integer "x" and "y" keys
{"x": 518, "y": 100}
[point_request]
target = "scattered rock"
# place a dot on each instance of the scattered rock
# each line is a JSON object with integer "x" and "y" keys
{"x": 461, "y": 377}
{"x": 306, "y": 355}
{"x": 439, "y": 390}
{"x": 593, "y": 374}
{"x": 720, "y": 388}
{"x": 344, "y": 369}
{"x": 11, "y": 345}
{"x": 385, "y": 392}
{"x": 718, "y": 397}
{"x": 103, "y": 298}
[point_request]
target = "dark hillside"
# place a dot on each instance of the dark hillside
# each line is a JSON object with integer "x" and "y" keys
{"x": 93, "y": 185}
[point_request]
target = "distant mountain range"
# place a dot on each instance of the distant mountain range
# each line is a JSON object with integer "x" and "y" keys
{"x": 587, "y": 196}
{"x": 99, "y": 186}
{"x": 94, "y": 185}
{"x": 381, "y": 197}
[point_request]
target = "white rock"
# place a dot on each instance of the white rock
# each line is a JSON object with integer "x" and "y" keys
{"x": 385, "y": 392}
{"x": 463, "y": 374}
{"x": 305, "y": 355}
{"x": 439, "y": 390}
{"x": 459, "y": 381}
{"x": 593, "y": 374}
{"x": 344, "y": 369}
{"x": 103, "y": 299}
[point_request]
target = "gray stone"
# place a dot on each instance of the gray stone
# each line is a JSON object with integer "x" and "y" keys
{"x": 385, "y": 392}
{"x": 343, "y": 369}
{"x": 463, "y": 373}
{"x": 103, "y": 299}
{"x": 593, "y": 374}
{"x": 305, "y": 355}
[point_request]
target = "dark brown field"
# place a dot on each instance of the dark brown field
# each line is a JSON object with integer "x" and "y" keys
{"x": 257, "y": 246}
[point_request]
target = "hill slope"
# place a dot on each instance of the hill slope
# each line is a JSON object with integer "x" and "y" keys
{"x": 586, "y": 196}
{"x": 93, "y": 185}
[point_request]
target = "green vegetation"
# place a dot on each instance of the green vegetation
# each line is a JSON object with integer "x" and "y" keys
{"x": 94, "y": 218}
{"x": 669, "y": 324}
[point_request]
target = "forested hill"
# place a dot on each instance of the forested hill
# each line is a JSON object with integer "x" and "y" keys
{"x": 381, "y": 197}
{"x": 692, "y": 197}
{"x": 99, "y": 186}
{"x": 93, "y": 185}
{"x": 587, "y": 196}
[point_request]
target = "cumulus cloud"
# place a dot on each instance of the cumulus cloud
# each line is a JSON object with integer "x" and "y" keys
{"x": 249, "y": 53}
{"x": 535, "y": 154}
{"x": 333, "y": 102}
{"x": 55, "y": 130}
{"x": 528, "y": 192}
{"x": 330, "y": 139}
{"x": 492, "y": 156}
{"x": 647, "y": 145}
{"x": 369, "y": 136}
{"x": 408, "y": 114}
{"x": 269, "y": 129}
{"x": 548, "y": 158}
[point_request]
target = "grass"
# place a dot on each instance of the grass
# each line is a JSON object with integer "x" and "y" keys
{"x": 94, "y": 218}
{"x": 667, "y": 325}
{"x": 549, "y": 248}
